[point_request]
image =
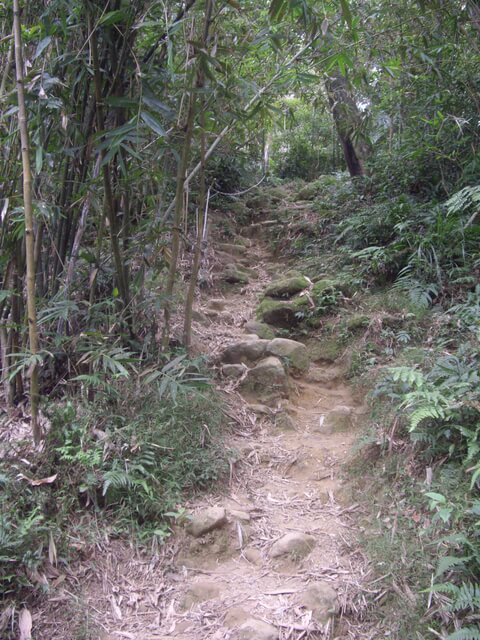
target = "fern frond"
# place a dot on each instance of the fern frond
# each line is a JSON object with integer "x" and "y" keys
{"x": 449, "y": 562}
{"x": 468, "y": 597}
{"x": 467, "y": 633}
{"x": 424, "y": 413}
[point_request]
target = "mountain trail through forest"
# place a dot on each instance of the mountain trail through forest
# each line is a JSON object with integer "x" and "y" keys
{"x": 275, "y": 556}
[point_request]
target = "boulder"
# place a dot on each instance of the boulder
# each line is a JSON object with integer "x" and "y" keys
{"x": 200, "y": 591}
{"x": 295, "y": 352}
{"x": 207, "y": 520}
{"x": 247, "y": 351}
{"x": 254, "y": 629}
{"x": 284, "y": 422}
{"x": 260, "y": 329}
{"x": 321, "y": 599}
{"x": 344, "y": 286}
{"x": 326, "y": 349}
{"x": 238, "y": 514}
{"x": 260, "y": 409}
{"x": 287, "y": 287}
{"x": 284, "y": 314}
{"x": 233, "y": 371}
{"x": 258, "y": 201}
{"x": 235, "y": 275}
{"x": 337, "y": 420}
{"x": 254, "y": 556}
{"x": 198, "y": 316}
{"x": 235, "y": 617}
{"x": 268, "y": 375}
{"x": 325, "y": 377}
{"x": 309, "y": 191}
{"x": 233, "y": 249}
{"x": 218, "y": 304}
{"x": 297, "y": 545}
{"x": 357, "y": 322}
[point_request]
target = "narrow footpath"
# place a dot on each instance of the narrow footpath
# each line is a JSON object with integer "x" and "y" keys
{"x": 275, "y": 556}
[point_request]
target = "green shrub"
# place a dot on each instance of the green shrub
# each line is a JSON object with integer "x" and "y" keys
{"x": 130, "y": 458}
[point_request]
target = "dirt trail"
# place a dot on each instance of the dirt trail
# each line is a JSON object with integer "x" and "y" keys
{"x": 226, "y": 584}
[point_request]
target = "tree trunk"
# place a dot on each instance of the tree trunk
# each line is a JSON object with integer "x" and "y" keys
{"x": 346, "y": 117}
{"x": 29, "y": 233}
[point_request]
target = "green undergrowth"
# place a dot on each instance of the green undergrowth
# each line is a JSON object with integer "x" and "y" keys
{"x": 408, "y": 329}
{"x": 123, "y": 464}
{"x": 417, "y": 476}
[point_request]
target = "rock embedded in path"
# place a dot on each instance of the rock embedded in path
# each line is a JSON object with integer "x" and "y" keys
{"x": 200, "y": 591}
{"x": 297, "y": 545}
{"x": 235, "y": 275}
{"x": 284, "y": 422}
{"x": 254, "y": 629}
{"x": 260, "y": 409}
{"x": 200, "y": 317}
{"x": 339, "y": 419}
{"x": 254, "y": 556}
{"x": 295, "y": 352}
{"x": 233, "y": 249}
{"x": 207, "y": 520}
{"x": 268, "y": 375}
{"x": 247, "y": 351}
{"x": 233, "y": 371}
{"x": 250, "y": 336}
{"x": 217, "y": 304}
{"x": 235, "y": 617}
{"x": 328, "y": 349}
{"x": 260, "y": 329}
{"x": 326, "y": 377}
{"x": 321, "y": 599}
{"x": 287, "y": 287}
{"x": 283, "y": 314}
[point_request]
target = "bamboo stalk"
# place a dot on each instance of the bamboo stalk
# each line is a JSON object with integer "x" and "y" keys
{"x": 29, "y": 232}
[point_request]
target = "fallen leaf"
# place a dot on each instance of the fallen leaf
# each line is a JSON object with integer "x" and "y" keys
{"x": 5, "y": 618}
{"x": 52, "y": 551}
{"x": 25, "y": 625}
{"x": 117, "y": 612}
{"x": 36, "y": 483}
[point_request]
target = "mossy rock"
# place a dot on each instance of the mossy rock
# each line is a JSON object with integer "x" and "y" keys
{"x": 339, "y": 420}
{"x": 287, "y": 287}
{"x": 308, "y": 192}
{"x": 322, "y": 285}
{"x": 295, "y": 353}
{"x": 260, "y": 329}
{"x": 313, "y": 189}
{"x": 282, "y": 313}
{"x": 234, "y": 275}
{"x": 233, "y": 249}
{"x": 259, "y": 201}
{"x": 240, "y": 210}
{"x": 357, "y": 322}
{"x": 343, "y": 285}
{"x": 268, "y": 379}
{"x": 327, "y": 349}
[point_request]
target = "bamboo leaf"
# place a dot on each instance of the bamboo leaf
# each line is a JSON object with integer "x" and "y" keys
{"x": 153, "y": 124}
{"x": 112, "y": 17}
{"x": 346, "y": 13}
{"x": 41, "y": 46}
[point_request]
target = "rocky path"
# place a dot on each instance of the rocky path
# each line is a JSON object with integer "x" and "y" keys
{"x": 273, "y": 557}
